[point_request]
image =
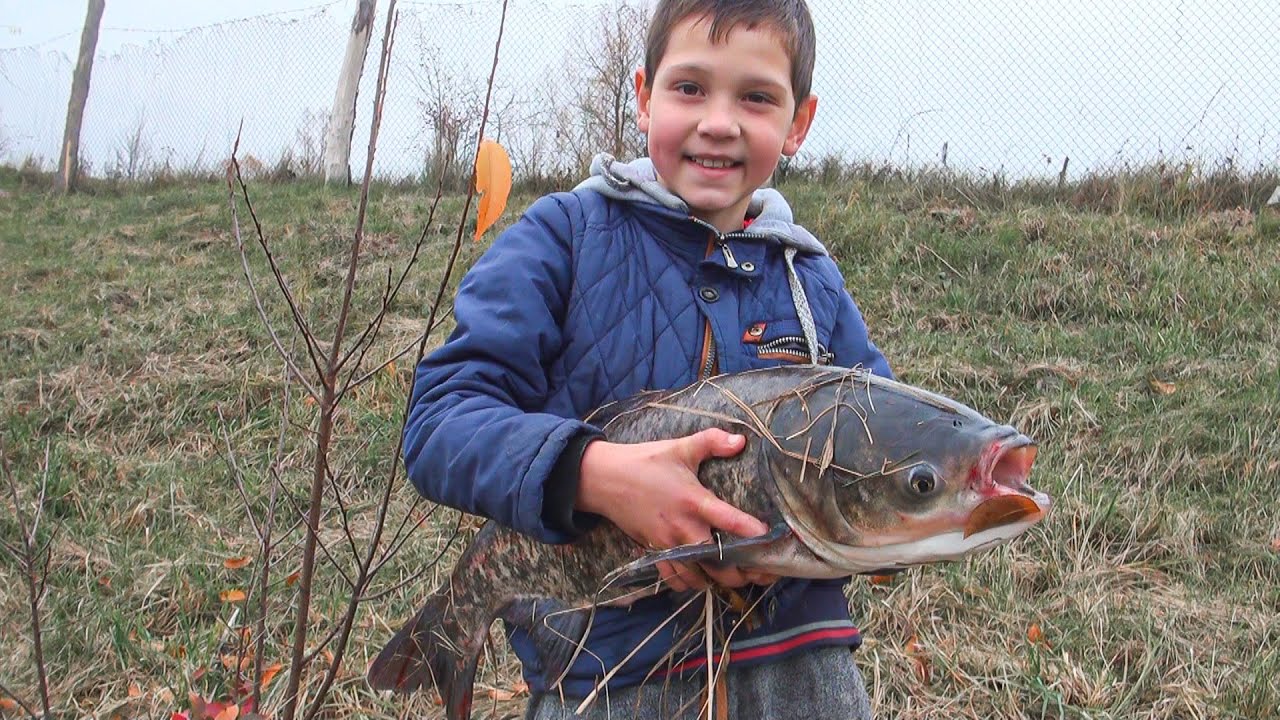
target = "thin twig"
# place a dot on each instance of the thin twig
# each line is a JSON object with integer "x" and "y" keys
{"x": 375, "y": 325}
{"x": 294, "y": 371}
{"x": 417, "y": 341}
{"x": 26, "y": 556}
{"x": 25, "y": 708}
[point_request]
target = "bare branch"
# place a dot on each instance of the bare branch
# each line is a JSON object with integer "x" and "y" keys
{"x": 328, "y": 403}
{"x": 238, "y": 476}
{"x": 348, "y": 620}
{"x": 257, "y": 301}
{"x": 313, "y": 348}
{"x": 25, "y": 708}
{"x": 26, "y": 556}
{"x": 370, "y": 334}
{"x": 420, "y": 340}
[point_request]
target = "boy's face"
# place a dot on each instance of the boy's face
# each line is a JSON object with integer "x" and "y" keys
{"x": 718, "y": 116}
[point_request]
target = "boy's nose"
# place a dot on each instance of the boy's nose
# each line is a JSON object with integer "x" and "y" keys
{"x": 719, "y": 121}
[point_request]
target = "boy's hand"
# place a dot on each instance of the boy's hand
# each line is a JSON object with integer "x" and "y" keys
{"x": 651, "y": 492}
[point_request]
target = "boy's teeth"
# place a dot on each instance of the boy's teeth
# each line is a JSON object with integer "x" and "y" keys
{"x": 715, "y": 164}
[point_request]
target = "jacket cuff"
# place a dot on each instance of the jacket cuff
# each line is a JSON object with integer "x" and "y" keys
{"x": 561, "y": 490}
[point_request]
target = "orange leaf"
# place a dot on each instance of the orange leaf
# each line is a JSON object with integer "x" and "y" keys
{"x": 1035, "y": 635}
{"x": 269, "y": 674}
{"x": 1275, "y": 544}
{"x": 1160, "y": 387}
{"x": 134, "y": 691}
{"x": 235, "y": 563}
{"x": 230, "y": 712}
{"x": 8, "y": 704}
{"x": 493, "y": 181}
{"x": 293, "y": 578}
{"x": 880, "y": 579}
{"x": 232, "y": 596}
{"x": 919, "y": 658}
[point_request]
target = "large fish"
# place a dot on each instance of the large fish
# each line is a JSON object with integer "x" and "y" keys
{"x": 853, "y": 473}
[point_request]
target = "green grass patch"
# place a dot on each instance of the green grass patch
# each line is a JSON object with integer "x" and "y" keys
{"x": 1125, "y": 321}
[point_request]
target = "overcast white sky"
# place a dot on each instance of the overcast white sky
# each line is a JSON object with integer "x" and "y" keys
{"x": 1014, "y": 84}
{"x": 59, "y": 22}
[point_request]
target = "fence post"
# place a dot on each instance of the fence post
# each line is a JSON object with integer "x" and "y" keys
{"x": 341, "y": 125}
{"x": 69, "y": 157}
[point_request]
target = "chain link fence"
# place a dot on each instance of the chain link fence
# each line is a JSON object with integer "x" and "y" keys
{"x": 1021, "y": 88}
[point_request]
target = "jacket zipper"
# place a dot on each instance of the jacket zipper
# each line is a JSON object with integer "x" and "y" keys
{"x": 707, "y": 365}
{"x": 722, "y": 240}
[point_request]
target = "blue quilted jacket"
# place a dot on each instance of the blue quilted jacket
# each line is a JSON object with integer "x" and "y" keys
{"x": 593, "y": 296}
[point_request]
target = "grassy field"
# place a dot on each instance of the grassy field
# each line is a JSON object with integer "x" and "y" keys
{"x": 1126, "y": 322}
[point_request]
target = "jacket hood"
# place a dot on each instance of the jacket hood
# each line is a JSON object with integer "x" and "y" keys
{"x": 637, "y": 182}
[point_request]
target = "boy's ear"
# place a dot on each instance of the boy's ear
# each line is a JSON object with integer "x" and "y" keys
{"x": 800, "y": 124}
{"x": 642, "y": 101}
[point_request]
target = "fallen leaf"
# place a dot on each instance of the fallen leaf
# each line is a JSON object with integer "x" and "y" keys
{"x": 293, "y": 578}
{"x": 880, "y": 579}
{"x": 233, "y": 662}
{"x": 269, "y": 674}
{"x": 493, "y": 181}
{"x": 134, "y": 691}
{"x": 232, "y": 596}
{"x": 180, "y": 716}
{"x": 919, "y": 658}
{"x": 235, "y": 563}
{"x": 8, "y": 704}
{"x": 230, "y": 712}
{"x": 1161, "y": 387}
{"x": 1035, "y": 635}
{"x": 1275, "y": 544}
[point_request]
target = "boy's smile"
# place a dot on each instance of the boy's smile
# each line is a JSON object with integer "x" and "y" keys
{"x": 719, "y": 115}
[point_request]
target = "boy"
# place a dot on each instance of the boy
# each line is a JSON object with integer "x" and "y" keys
{"x": 652, "y": 275}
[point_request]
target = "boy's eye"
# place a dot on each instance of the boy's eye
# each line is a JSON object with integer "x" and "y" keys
{"x": 757, "y": 97}
{"x": 687, "y": 88}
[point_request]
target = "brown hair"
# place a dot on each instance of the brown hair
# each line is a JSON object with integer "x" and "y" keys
{"x": 790, "y": 18}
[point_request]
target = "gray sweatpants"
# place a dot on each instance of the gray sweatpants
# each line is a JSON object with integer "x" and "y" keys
{"x": 824, "y": 683}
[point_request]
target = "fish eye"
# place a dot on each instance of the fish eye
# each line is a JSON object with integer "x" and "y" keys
{"x": 922, "y": 480}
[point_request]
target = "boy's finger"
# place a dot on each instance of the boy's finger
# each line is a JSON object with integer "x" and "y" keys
{"x": 723, "y": 516}
{"x": 712, "y": 442}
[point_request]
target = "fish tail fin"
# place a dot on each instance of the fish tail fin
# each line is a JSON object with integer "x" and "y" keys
{"x": 557, "y": 631}
{"x": 431, "y": 650}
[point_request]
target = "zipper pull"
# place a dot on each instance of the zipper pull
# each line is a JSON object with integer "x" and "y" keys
{"x": 729, "y": 260}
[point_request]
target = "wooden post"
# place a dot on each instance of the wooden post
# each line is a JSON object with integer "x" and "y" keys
{"x": 342, "y": 119}
{"x": 69, "y": 157}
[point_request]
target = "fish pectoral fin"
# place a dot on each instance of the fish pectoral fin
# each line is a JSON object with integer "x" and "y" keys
{"x": 557, "y": 630}
{"x": 741, "y": 551}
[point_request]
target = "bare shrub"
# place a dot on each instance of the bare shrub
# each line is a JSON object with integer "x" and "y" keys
{"x": 448, "y": 108}
{"x": 133, "y": 157}
{"x": 606, "y": 103}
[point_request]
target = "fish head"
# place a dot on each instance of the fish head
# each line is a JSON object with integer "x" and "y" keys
{"x": 874, "y": 474}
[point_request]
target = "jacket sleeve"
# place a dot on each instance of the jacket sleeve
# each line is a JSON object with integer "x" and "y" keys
{"x": 474, "y": 439}
{"x": 850, "y": 342}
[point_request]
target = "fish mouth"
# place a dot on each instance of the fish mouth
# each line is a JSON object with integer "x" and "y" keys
{"x": 1009, "y": 502}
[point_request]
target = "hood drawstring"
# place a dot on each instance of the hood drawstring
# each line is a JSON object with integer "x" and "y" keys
{"x": 801, "y": 301}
